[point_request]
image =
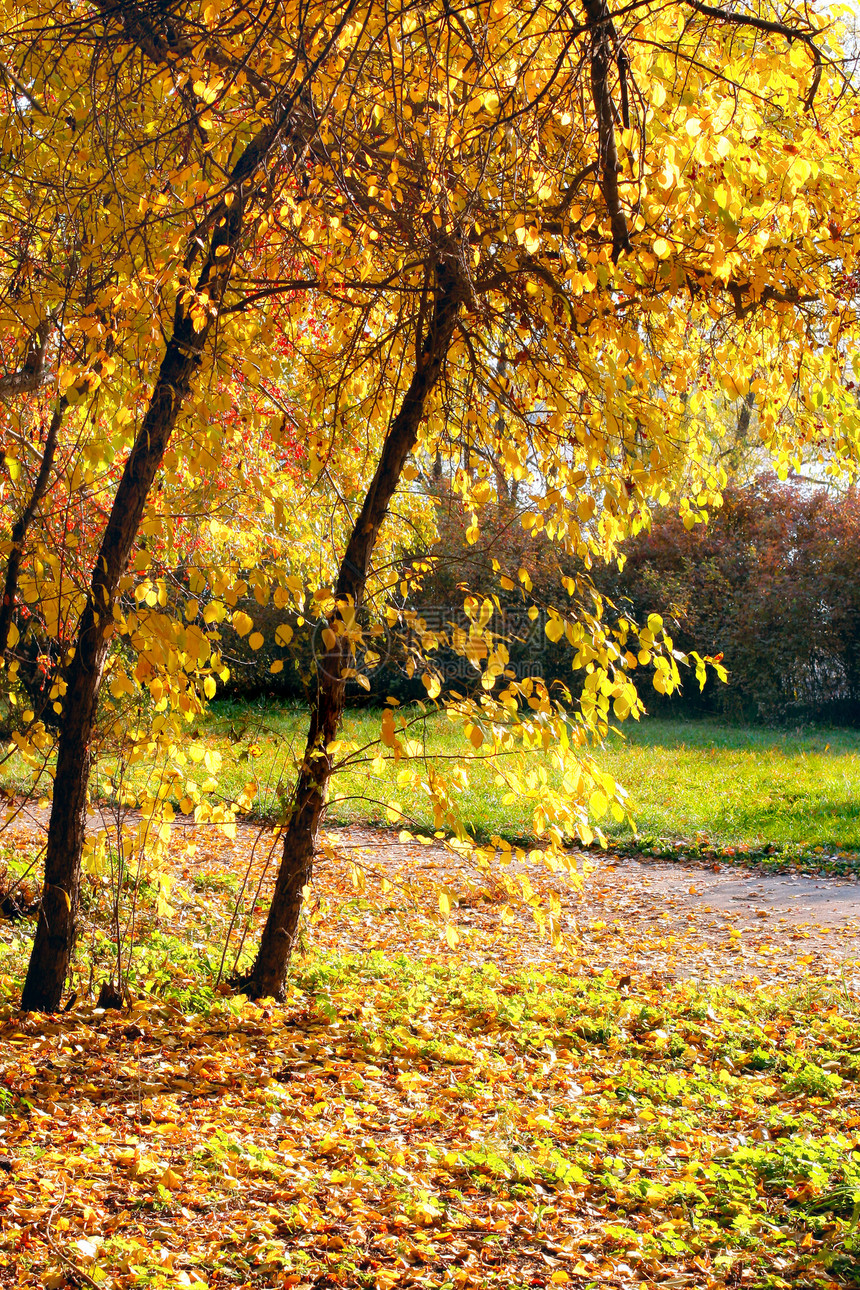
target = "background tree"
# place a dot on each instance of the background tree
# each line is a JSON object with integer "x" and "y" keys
{"x": 769, "y": 583}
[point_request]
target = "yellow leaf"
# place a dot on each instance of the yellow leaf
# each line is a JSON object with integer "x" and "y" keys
{"x": 242, "y": 623}
{"x": 256, "y": 639}
{"x": 121, "y": 684}
{"x": 801, "y": 170}
{"x": 214, "y": 612}
{"x": 387, "y": 733}
{"x": 432, "y": 685}
{"x": 598, "y": 802}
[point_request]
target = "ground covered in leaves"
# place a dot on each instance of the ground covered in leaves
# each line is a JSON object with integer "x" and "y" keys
{"x": 497, "y": 1114}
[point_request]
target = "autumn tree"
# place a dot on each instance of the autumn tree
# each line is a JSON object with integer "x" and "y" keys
{"x": 159, "y": 270}
{"x": 583, "y": 217}
{"x": 524, "y": 235}
{"x": 768, "y": 582}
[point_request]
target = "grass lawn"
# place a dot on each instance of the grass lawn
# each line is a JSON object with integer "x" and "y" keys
{"x": 695, "y": 782}
{"x": 741, "y": 784}
{"x": 734, "y": 785}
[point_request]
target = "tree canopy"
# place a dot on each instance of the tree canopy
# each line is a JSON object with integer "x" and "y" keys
{"x": 308, "y": 254}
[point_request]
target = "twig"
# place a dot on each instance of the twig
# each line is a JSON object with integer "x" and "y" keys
{"x": 61, "y": 1255}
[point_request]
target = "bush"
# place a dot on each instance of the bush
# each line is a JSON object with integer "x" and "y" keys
{"x": 771, "y": 583}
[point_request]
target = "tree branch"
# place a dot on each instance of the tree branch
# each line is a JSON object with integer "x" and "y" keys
{"x": 773, "y": 29}
{"x": 22, "y": 524}
{"x": 32, "y": 375}
{"x": 602, "y": 57}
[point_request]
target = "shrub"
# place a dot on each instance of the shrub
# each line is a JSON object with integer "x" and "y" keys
{"x": 771, "y": 583}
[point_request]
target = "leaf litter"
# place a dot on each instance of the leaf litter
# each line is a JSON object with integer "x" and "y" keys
{"x": 672, "y": 1100}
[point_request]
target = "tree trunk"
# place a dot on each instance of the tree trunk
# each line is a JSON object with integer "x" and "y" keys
{"x": 268, "y": 974}
{"x": 22, "y": 525}
{"x": 55, "y": 930}
{"x": 52, "y": 947}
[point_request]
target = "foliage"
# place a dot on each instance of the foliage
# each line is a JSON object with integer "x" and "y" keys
{"x": 413, "y": 1117}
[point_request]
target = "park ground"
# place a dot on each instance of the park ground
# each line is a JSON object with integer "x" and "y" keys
{"x": 669, "y": 1099}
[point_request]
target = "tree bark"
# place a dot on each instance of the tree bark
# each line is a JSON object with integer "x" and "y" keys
{"x": 22, "y": 525}
{"x": 55, "y": 930}
{"x": 268, "y": 975}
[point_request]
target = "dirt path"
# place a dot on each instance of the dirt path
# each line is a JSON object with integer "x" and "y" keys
{"x": 674, "y": 919}
{"x": 620, "y": 886}
{"x": 793, "y": 900}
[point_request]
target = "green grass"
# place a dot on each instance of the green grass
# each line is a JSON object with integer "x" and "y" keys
{"x": 740, "y": 785}
{"x": 688, "y": 780}
{"x": 696, "y": 782}
{"x": 732, "y": 785}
